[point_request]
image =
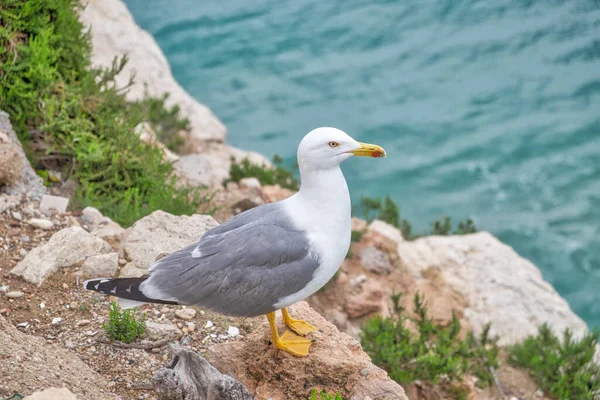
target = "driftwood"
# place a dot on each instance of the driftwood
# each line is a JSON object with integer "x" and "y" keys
{"x": 191, "y": 377}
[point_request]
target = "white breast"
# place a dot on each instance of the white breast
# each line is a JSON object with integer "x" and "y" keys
{"x": 325, "y": 216}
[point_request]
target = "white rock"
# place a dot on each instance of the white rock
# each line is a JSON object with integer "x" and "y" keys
{"x": 41, "y": 223}
{"x": 249, "y": 183}
{"x": 387, "y": 230}
{"x": 500, "y": 287}
{"x": 102, "y": 265}
{"x": 17, "y": 215}
{"x": 66, "y": 248}
{"x": 57, "y": 203}
{"x": 156, "y": 331}
{"x": 14, "y": 295}
{"x": 160, "y": 233}
{"x": 131, "y": 271}
{"x": 374, "y": 260}
{"x": 185, "y": 314}
{"x": 56, "y": 321}
{"x": 233, "y": 331}
{"x": 52, "y": 394}
{"x": 209, "y": 324}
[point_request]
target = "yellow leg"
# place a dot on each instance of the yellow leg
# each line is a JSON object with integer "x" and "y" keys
{"x": 289, "y": 341}
{"x": 297, "y": 325}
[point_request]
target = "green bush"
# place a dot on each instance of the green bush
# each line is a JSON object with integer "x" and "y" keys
{"x": 356, "y": 236}
{"x": 386, "y": 210}
{"x": 564, "y": 369}
{"x": 123, "y": 325}
{"x": 324, "y": 396}
{"x": 278, "y": 175}
{"x": 72, "y": 118}
{"x": 443, "y": 227}
{"x": 436, "y": 351}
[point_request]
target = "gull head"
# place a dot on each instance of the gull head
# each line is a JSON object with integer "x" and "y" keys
{"x": 325, "y": 148}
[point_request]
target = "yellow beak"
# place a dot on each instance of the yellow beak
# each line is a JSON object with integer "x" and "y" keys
{"x": 368, "y": 150}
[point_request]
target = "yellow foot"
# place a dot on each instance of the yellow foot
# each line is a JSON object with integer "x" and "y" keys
{"x": 293, "y": 344}
{"x": 297, "y": 325}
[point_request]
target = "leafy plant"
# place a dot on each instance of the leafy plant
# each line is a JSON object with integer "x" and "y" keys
{"x": 564, "y": 369}
{"x": 74, "y": 119}
{"x": 443, "y": 227}
{"x": 435, "y": 351}
{"x": 324, "y": 396}
{"x": 278, "y": 175}
{"x": 356, "y": 236}
{"x": 386, "y": 210}
{"x": 123, "y": 325}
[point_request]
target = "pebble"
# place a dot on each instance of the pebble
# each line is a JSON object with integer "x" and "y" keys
{"x": 14, "y": 295}
{"x": 209, "y": 324}
{"x": 4, "y": 288}
{"x": 83, "y": 322}
{"x": 41, "y": 223}
{"x": 23, "y": 325}
{"x": 23, "y": 252}
{"x": 65, "y": 286}
{"x": 191, "y": 327}
{"x": 56, "y": 321}
{"x": 69, "y": 344}
{"x": 4, "y": 311}
{"x": 156, "y": 350}
{"x": 17, "y": 215}
{"x": 186, "y": 314}
{"x": 233, "y": 331}
{"x": 42, "y": 306}
{"x": 539, "y": 393}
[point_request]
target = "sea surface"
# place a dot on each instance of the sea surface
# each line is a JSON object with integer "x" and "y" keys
{"x": 487, "y": 109}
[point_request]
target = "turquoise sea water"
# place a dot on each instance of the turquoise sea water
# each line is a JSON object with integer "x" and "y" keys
{"x": 488, "y": 109}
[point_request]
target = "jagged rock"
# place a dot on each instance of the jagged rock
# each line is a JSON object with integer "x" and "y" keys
{"x": 147, "y": 135}
{"x": 26, "y": 358}
{"x": 131, "y": 271}
{"x": 387, "y": 230}
{"x": 375, "y": 260}
{"x": 499, "y": 286}
{"x": 369, "y": 301}
{"x": 102, "y": 265}
{"x": 336, "y": 364}
{"x": 53, "y": 203}
{"x": 102, "y": 227}
{"x": 66, "y": 248}
{"x": 185, "y": 314}
{"x": 8, "y": 202}
{"x": 27, "y": 182}
{"x": 163, "y": 233}
{"x": 191, "y": 377}
{"x": 156, "y": 331}
{"x": 273, "y": 193}
{"x": 52, "y": 394}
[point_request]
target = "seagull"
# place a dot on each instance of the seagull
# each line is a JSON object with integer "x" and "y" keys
{"x": 267, "y": 258}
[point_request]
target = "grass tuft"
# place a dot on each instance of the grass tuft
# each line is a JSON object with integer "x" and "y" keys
{"x": 123, "y": 326}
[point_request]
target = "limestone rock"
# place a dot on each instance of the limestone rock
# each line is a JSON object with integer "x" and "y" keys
{"x": 185, "y": 314}
{"x": 131, "y": 271}
{"x": 156, "y": 331}
{"x": 374, "y": 260}
{"x": 41, "y": 223}
{"x": 52, "y": 394}
{"x": 8, "y": 202}
{"x": 102, "y": 227}
{"x": 160, "y": 233}
{"x": 336, "y": 364}
{"x": 10, "y": 164}
{"x": 66, "y": 248}
{"x": 26, "y": 358}
{"x": 499, "y": 286}
{"x": 249, "y": 183}
{"x": 358, "y": 225}
{"x": 102, "y": 265}
{"x": 53, "y": 203}
{"x": 273, "y": 193}
{"x": 27, "y": 182}
{"x": 387, "y": 230}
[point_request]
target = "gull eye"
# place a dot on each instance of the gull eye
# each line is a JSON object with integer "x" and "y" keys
{"x": 333, "y": 144}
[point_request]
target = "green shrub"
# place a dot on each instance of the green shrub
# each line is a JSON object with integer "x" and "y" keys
{"x": 278, "y": 175}
{"x": 434, "y": 352}
{"x": 72, "y": 118}
{"x": 356, "y": 236}
{"x": 324, "y": 396}
{"x": 123, "y": 325}
{"x": 386, "y": 210}
{"x": 564, "y": 369}
{"x": 443, "y": 227}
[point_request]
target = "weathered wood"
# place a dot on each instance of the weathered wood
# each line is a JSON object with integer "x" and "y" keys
{"x": 191, "y": 377}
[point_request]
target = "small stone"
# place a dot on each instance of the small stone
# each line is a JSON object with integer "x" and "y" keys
{"x": 101, "y": 265}
{"x": 233, "y": 331}
{"x": 14, "y": 295}
{"x": 22, "y": 252}
{"x": 364, "y": 371}
{"x": 156, "y": 331}
{"x": 4, "y": 289}
{"x": 191, "y": 327}
{"x": 83, "y": 322}
{"x": 17, "y": 215}
{"x": 209, "y": 324}
{"x": 42, "y": 306}
{"x": 155, "y": 350}
{"x": 4, "y": 311}
{"x": 23, "y": 325}
{"x": 56, "y": 321}
{"x": 69, "y": 344}
{"x": 358, "y": 280}
{"x": 65, "y": 286}
{"x": 185, "y": 314}
{"x": 122, "y": 261}
{"x": 249, "y": 183}
{"x": 539, "y": 393}
{"x": 41, "y": 223}
{"x": 57, "y": 203}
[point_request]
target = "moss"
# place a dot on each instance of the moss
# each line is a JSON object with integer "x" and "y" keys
{"x": 72, "y": 118}
{"x": 278, "y": 175}
{"x": 433, "y": 353}
{"x": 563, "y": 368}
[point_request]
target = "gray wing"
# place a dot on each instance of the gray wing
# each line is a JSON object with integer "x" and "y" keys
{"x": 239, "y": 268}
